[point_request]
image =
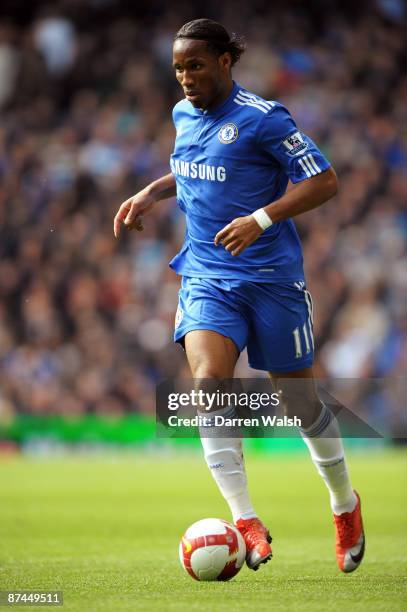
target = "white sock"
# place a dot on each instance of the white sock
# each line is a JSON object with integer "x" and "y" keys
{"x": 324, "y": 441}
{"x": 224, "y": 457}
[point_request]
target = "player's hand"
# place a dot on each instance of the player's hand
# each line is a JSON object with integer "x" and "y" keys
{"x": 130, "y": 213}
{"x": 239, "y": 234}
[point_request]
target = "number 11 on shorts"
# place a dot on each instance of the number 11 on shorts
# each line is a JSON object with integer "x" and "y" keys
{"x": 298, "y": 342}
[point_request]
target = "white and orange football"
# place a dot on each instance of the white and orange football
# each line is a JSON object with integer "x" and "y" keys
{"x": 212, "y": 549}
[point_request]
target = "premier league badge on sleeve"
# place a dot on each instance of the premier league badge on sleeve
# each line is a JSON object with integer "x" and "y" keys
{"x": 228, "y": 133}
{"x": 295, "y": 144}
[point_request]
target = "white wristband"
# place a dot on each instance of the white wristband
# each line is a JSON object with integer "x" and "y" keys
{"x": 262, "y": 218}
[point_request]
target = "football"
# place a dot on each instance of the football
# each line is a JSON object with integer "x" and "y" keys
{"x": 212, "y": 549}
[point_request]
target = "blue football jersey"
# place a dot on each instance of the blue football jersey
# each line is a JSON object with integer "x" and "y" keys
{"x": 227, "y": 163}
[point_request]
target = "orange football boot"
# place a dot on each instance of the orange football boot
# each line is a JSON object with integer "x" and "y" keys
{"x": 257, "y": 539}
{"x": 350, "y": 539}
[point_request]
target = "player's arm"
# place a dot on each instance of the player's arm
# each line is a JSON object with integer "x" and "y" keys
{"x": 304, "y": 196}
{"x": 132, "y": 210}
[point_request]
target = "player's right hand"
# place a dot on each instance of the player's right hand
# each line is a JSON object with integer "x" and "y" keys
{"x": 131, "y": 212}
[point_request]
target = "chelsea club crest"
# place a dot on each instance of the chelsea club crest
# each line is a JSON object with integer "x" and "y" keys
{"x": 228, "y": 133}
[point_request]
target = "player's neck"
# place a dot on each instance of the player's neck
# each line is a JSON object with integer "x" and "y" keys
{"x": 220, "y": 98}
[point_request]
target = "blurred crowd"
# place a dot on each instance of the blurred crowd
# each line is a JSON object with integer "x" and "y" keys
{"x": 86, "y": 91}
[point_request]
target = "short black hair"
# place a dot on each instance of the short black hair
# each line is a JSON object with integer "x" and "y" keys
{"x": 215, "y": 35}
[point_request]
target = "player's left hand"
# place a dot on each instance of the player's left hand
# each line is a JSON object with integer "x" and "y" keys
{"x": 239, "y": 234}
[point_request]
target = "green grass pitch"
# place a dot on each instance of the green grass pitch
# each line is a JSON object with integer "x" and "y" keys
{"x": 106, "y": 532}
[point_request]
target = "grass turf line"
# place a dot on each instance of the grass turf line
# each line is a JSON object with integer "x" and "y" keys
{"x": 106, "y": 532}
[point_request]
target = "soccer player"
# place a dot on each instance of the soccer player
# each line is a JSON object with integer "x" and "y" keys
{"x": 241, "y": 264}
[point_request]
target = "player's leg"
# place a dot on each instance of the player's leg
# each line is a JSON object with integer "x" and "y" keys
{"x": 213, "y": 329}
{"x": 282, "y": 320}
{"x": 212, "y": 358}
{"x": 321, "y": 433}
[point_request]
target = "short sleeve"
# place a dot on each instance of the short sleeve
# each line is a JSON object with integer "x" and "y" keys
{"x": 298, "y": 155}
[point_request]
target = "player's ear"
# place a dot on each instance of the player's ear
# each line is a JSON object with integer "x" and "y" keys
{"x": 225, "y": 61}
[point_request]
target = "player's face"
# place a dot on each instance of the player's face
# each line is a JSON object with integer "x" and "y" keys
{"x": 204, "y": 77}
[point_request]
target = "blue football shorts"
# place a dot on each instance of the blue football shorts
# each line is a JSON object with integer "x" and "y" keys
{"x": 273, "y": 320}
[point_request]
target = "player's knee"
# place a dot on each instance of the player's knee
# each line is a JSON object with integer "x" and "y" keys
{"x": 213, "y": 384}
{"x": 207, "y": 372}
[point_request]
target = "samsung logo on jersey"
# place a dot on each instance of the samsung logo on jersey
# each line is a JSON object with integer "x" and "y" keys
{"x": 198, "y": 171}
